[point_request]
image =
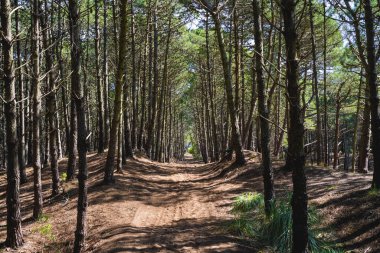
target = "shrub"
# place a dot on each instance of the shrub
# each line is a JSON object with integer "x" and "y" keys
{"x": 275, "y": 230}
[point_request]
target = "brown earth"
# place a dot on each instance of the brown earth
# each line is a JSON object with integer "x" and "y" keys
{"x": 183, "y": 207}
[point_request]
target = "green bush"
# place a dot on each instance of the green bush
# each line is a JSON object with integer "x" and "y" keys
{"x": 275, "y": 230}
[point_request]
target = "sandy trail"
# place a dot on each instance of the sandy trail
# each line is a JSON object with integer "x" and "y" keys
{"x": 169, "y": 209}
{"x": 183, "y": 207}
{"x": 152, "y": 207}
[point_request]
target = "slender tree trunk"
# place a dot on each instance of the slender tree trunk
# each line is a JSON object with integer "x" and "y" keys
{"x": 128, "y": 150}
{"x": 337, "y": 131}
{"x": 211, "y": 93}
{"x": 37, "y": 209}
{"x": 154, "y": 89}
{"x": 354, "y": 139}
{"x": 21, "y": 120}
{"x": 99, "y": 87}
{"x": 296, "y": 131}
{"x": 315, "y": 86}
{"x": 14, "y": 233}
{"x": 134, "y": 80}
{"x": 263, "y": 109}
{"x": 109, "y": 167}
{"x": 51, "y": 103}
{"x": 364, "y": 135}
{"x": 143, "y": 84}
{"x": 325, "y": 118}
{"x": 236, "y": 139}
{"x": 237, "y": 60}
{"x": 72, "y": 148}
{"x": 164, "y": 84}
{"x": 62, "y": 77}
{"x": 79, "y": 100}
{"x": 373, "y": 93}
{"x": 106, "y": 109}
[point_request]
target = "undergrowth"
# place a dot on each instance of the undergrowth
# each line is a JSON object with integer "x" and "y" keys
{"x": 44, "y": 227}
{"x": 275, "y": 230}
{"x": 374, "y": 192}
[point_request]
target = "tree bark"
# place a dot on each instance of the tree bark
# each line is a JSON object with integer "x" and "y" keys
{"x": 99, "y": 87}
{"x": 20, "y": 84}
{"x": 37, "y": 209}
{"x": 296, "y": 131}
{"x": 266, "y": 162}
{"x": 109, "y": 167}
{"x": 315, "y": 86}
{"x": 154, "y": 89}
{"x": 134, "y": 80}
{"x": 236, "y": 138}
{"x": 373, "y": 93}
{"x": 364, "y": 135}
{"x": 14, "y": 233}
{"x": 106, "y": 109}
{"x": 354, "y": 139}
{"x": 79, "y": 100}
{"x": 51, "y": 104}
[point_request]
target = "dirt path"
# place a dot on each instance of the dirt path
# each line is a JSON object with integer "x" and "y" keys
{"x": 183, "y": 207}
{"x": 168, "y": 209}
{"x": 152, "y": 207}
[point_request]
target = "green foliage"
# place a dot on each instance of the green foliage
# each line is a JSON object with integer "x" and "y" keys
{"x": 275, "y": 230}
{"x": 63, "y": 176}
{"x": 374, "y": 192}
{"x": 44, "y": 227}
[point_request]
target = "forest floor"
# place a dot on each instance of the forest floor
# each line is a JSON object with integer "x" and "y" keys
{"x": 184, "y": 207}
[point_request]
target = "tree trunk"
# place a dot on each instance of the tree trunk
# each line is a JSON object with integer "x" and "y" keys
{"x": 79, "y": 100}
{"x": 236, "y": 139}
{"x": 337, "y": 131}
{"x": 106, "y": 109}
{"x": 325, "y": 116}
{"x": 72, "y": 148}
{"x": 51, "y": 104}
{"x": 21, "y": 123}
{"x": 14, "y": 233}
{"x": 211, "y": 94}
{"x": 296, "y": 131}
{"x": 263, "y": 109}
{"x": 354, "y": 139}
{"x": 154, "y": 89}
{"x": 99, "y": 87}
{"x": 134, "y": 80}
{"x": 109, "y": 167}
{"x": 315, "y": 86}
{"x": 364, "y": 135}
{"x": 37, "y": 210}
{"x": 373, "y": 93}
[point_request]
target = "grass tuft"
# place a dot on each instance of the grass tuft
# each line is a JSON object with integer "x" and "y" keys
{"x": 275, "y": 230}
{"x": 374, "y": 192}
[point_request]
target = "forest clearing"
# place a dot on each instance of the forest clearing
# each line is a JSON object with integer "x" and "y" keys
{"x": 190, "y": 126}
